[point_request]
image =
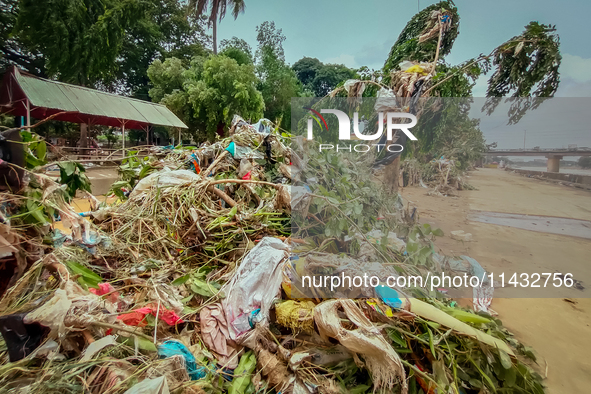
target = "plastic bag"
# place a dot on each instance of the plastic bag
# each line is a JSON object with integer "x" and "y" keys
{"x": 176, "y": 348}
{"x": 150, "y": 386}
{"x": 254, "y": 286}
{"x": 386, "y": 101}
{"x": 20, "y": 338}
{"x": 380, "y": 358}
{"x": 354, "y": 87}
{"x": 164, "y": 178}
{"x": 214, "y": 332}
{"x": 243, "y": 152}
{"x": 263, "y": 126}
{"x": 97, "y": 346}
{"x": 245, "y": 168}
{"x": 137, "y": 316}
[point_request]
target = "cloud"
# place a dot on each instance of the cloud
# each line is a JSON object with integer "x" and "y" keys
{"x": 576, "y": 68}
{"x": 345, "y": 58}
{"x": 570, "y": 88}
{"x": 374, "y": 56}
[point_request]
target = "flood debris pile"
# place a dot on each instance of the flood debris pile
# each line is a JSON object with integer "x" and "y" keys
{"x": 189, "y": 284}
{"x": 441, "y": 176}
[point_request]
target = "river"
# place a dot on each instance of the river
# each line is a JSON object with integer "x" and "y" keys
{"x": 566, "y": 170}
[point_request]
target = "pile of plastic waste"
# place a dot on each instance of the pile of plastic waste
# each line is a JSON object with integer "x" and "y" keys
{"x": 191, "y": 283}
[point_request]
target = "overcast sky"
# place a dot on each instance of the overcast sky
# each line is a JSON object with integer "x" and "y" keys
{"x": 361, "y": 33}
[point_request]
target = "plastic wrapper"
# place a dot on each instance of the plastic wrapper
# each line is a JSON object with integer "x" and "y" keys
{"x": 254, "y": 286}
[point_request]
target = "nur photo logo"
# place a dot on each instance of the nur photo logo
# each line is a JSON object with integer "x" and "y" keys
{"x": 392, "y": 120}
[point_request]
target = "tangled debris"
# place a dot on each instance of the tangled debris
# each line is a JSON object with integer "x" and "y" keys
{"x": 188, "y": 284}
{"x": 441, "y": 176}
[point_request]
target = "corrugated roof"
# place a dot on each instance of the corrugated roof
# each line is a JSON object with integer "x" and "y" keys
{"x": 84, "y": 105}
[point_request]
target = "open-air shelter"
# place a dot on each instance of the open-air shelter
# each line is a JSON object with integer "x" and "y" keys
{"x": 23, "y": 94}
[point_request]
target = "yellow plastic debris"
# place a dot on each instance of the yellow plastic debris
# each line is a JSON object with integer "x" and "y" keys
{"x": 416, "y": 69}
{"x": 297, "y": 315}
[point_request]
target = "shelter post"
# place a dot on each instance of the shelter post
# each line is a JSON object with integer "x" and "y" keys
{"x": 123, "y": 136}
{"x": 28, "y": 105}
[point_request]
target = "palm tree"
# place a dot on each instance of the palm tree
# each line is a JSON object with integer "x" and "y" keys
{"x": 217, "y": 12}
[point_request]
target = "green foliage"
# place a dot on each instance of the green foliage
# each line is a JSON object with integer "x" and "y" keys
{"x": 107, "y": 44}
{"x": 237, "y": 54}
{"x": 277, "y": 81}
{"x": 446, "y": 129}
{"x": 525, "y": 66}
{"x": 86, "y": 277}
{"x": 164, "y": 30}
{"x": 408, "y": 47}
{"x": 131, "y": 171}
{"x": 207, "y": 94}
{"x": 80, "y": 40}
{"x": 35, "y": 149}
{"x": 196, "y": 281}
{"x": 12, "y": 49}
{"x": 457, "y": 361}
{"x": 110, "y": 136}
{"x": 268, "y": 36}
{"x": 348, "y": 197}
{"x": 460, "y": 80}
{"x": 34, "y": 211}
{"x": 72, "y": 174}
{"x": 306, "y": 69}
{"x": 237, "y": 49}
{"x": 321, "y": 78}
{"x": 584, "y": 162}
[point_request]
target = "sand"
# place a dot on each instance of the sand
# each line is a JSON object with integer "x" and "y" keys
{"x": 559, "y": 329}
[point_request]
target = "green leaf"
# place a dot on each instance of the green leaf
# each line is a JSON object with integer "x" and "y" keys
{"x": 505, "y": 359}
{"x": 27, "y": 136}
{"x": 233, "y": 212}
{"x": 438, "y": 232}
{"x": 181, "y": 280}
{"x": 89, "y": 277}
{"x": 69, "y": 167}
{"x": 431, "y": 345}
{"x": 396, "y": 337}
{"x": 41, "y": 150}
{"x": 142, "y": 343}
{"x": 510, "y": 377}
{"x": 200, "y": 287}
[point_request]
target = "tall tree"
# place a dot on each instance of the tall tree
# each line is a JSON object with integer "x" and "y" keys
{"x": 321, "y": 78}
{"x": 217, "y": 11}
{"x": 207, "y": 94}
{"x": 12, "y": 49}
{"x": 277, "y": 81}
{"x": 80, "y": 40}
{"x": 164, "y": 31}
{"x": 237, "y": 49}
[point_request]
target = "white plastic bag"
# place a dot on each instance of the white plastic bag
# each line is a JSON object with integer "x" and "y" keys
{"x": 256, "y": 283}
{"x": 164, "y": 178}
{"x": 150, "y": 386}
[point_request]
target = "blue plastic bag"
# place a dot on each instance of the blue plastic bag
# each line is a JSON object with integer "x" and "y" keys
{"x": 389, "y": 296}
{"x": 174, "y": 348}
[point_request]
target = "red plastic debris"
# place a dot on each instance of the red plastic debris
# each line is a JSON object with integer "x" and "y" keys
{"x": 137, "y": 317}
{"x": 106, "y": 288}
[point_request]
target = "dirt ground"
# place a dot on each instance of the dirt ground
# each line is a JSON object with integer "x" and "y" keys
{"x": 559, "y": 329}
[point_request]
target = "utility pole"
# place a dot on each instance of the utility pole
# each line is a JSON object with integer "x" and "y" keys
{"x": 524, "y": 134}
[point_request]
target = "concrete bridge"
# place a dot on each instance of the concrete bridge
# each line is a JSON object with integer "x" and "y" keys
{"x": 553, "y": 155}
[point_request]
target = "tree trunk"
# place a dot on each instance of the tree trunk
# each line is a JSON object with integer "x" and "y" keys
{"x": 83, "y": 136}
{"x": 215, "y": 36}
{"x": 391, "y": 175}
